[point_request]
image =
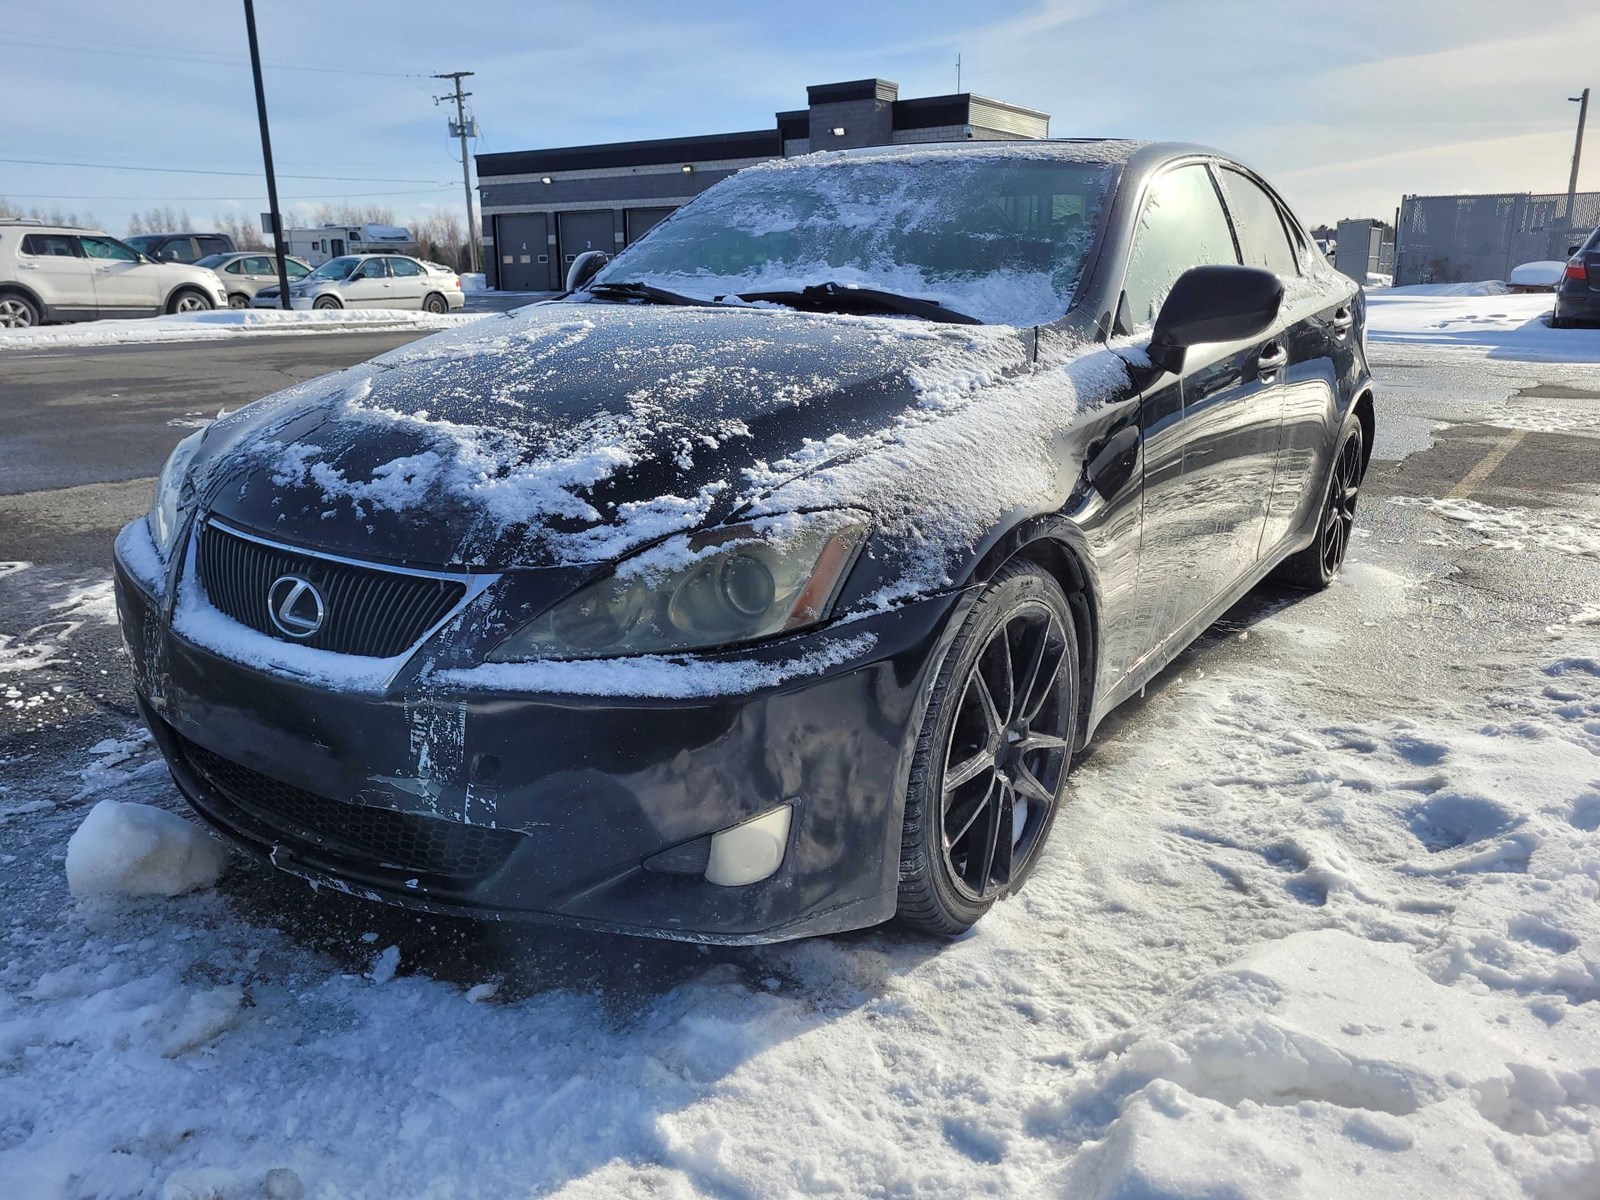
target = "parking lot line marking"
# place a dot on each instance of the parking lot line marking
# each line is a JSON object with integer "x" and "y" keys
{"x": 1486, "y": 465}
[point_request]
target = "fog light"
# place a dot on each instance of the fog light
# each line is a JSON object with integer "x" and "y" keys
{"x": 750, "y": 852}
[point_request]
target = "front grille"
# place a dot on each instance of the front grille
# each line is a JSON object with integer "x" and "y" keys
{"x": 431, "y": 846}
{"x": 367, "y": 610}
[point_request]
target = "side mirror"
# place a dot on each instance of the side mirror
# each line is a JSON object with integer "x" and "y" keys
{"x": 1214, "y": 304}
{"x": 585, "y": 267}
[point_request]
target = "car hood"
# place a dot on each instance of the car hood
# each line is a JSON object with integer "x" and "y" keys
{"x": 570, "y": 433}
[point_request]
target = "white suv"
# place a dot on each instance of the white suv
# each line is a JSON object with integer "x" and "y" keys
{"x": 58, "y": 273}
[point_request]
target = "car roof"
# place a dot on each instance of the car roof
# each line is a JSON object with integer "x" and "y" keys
{"x": 1117, "y": 151}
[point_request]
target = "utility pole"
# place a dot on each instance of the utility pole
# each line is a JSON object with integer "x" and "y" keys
{"x": 466, "y": 174}
{"x": 266, "y": 155}
{"x": 1577, "y": 152}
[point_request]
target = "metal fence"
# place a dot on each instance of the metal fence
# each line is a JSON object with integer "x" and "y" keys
{"x": 1461, "y": 239}
{"x": 1365, "y": 248}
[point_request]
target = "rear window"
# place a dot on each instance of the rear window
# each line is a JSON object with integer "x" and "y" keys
{"x": 51, "y": 244}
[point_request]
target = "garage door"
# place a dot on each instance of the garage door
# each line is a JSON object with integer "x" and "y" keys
{"x": 582, "y": 231}
{"x": 642, "y": 220}
{"x": 523, "y": 245}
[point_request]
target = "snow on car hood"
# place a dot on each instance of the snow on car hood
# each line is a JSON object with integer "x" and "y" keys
{"x": 571, "y": 433}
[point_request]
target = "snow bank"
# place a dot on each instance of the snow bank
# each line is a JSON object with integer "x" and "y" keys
{"x": 474, "y": 282}
{"x": 1492, "y": 324}
{"x": 1484, "y": 287}
{"x": 226, "y": 323}
{"x": 137, "y": 850}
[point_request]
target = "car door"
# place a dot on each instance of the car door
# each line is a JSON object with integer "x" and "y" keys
{"x": 125, "y": 285}
{"x": 408, "y": 282}
{"x": 1210, "y": 436}
{"x": 368, "y": 285}
{"x": 258, "y": 272}
{"x": 1317, "y": 337}
{"x": 52, "y": 265}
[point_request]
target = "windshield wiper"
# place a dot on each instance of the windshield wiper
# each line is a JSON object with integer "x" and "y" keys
{"x": 826, "y": 295}
{"x": 634, "y": 289}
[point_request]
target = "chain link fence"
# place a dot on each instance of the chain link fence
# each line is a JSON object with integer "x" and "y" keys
{"x": 1462, "y": 239}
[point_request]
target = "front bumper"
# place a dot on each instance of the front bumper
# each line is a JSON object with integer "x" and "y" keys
{"x": 494, "y": 803}
{"x": 300, "y": 303}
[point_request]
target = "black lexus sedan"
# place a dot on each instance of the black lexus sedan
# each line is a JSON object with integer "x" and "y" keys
{"x": 766, "y": 584}
{"x": 1578, "y": 292}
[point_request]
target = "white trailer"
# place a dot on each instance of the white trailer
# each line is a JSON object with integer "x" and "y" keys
{"x": 318, "y": 245}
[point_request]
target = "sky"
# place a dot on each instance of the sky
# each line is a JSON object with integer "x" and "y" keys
{"x": 1344, "y": 107}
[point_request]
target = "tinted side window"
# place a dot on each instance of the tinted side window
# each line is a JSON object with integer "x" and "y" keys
{"x": 1182, "y": 226}
{"x": 373, "y": 268}
{"x": 404, "y": 266}
{"x": 1263, "y": 240}
{"x": 213, "y": 245}
{"x": 55, "y": 245}
{"x": 104, "y": 247}
{"x": 296, "y": 271}
{"x": 259, "y": 265}
{"x": 177, "y": 250}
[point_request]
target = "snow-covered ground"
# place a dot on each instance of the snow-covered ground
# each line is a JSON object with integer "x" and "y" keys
{"x": 224, "y": 323}
{"x": 1320, "y": 920}
{"x": 1495, "y": 324}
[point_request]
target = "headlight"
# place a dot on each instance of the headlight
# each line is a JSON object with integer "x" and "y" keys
{"x": 717, "y": 588}
{"x": 172, "y": 499}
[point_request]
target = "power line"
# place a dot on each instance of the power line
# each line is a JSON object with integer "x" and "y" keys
{"x": 49, "y": 41}
{"x": 45, "y": 162}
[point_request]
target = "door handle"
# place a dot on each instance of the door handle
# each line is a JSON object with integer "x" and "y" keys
{"x": 1273, "y": 358}
{"x": 25, "y": 266}
{"x": 1342, "y": 320}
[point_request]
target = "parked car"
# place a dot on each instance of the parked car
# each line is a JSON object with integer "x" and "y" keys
{"x": 182, "y": 247}
{"x": 766, "y": 585}
{"x": 244, "y": 274}
{"x": 1578, "y": 293}
{"x": 372, "y": 281}
{"x": 60, "y": 273}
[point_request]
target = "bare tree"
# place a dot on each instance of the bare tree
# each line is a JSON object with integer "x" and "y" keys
{"x": 53, "y": 216}
{"x": 164, "y": 219}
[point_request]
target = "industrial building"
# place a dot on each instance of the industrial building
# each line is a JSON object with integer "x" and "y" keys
{"x": 542, "y": 208}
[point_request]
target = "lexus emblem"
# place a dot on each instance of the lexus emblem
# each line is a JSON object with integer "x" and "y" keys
{"x": 295, "y": 606}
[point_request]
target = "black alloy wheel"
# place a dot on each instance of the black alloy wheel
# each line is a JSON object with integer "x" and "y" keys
{"x": 1318, "y": 565}
{"x": 994, "y": 752}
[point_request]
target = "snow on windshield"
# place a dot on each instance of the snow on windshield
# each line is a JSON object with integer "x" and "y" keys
{"x": 999, "y": 236}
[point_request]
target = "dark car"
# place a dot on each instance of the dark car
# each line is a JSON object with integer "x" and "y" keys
{"x": 181, "y": 247}
{"x": 766, "y": 585}
{"x": 1578, "y": 293}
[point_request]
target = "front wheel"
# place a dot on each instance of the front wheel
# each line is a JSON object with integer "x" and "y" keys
{"x": 17, "y": 311}
{"x": 993, "y": 753}
{"x": 1315, "y": 567}
{"x": 190, "y": 301}
{"x": 327, "y": 302}
{"x": 435, "y": 303}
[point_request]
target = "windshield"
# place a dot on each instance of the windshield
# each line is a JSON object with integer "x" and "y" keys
{"x": 336, "y": 268}
{"x": 212, "y": 260}
{"x": 1001, "y": 237}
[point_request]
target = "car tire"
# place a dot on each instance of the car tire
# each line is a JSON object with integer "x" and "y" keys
{"x": 18, "y": 311}
{"x": 238, "y": 300}
{"x": 981, "y": 801}
{"x": 187, "y": 300}
{"x": 435, "y": 303}
{"x": 327, "y": 302}
{"x": 1317, "y": 566}
{"x": 1559, "y": 322}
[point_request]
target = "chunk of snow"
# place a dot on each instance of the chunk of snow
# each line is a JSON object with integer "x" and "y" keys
{"x": 1547, "y": 273}
{"x": 125, "y": 849}
{"x": 385, "y": 965}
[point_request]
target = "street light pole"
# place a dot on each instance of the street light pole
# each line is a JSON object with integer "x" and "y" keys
{"x": 266, "y": 155}
{"x": 1577, "y": 152}
{"x": 466, "y": 175}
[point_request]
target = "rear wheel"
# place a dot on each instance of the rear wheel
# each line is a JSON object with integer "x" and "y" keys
{"x": 1315, "y": 567}
{"x": 188, "y": 300}
{"x": 17, "y": 311}
{"x": 435, "y": 303}
{"x": 993, "y": 753}
{"x": 327, "y": 302}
